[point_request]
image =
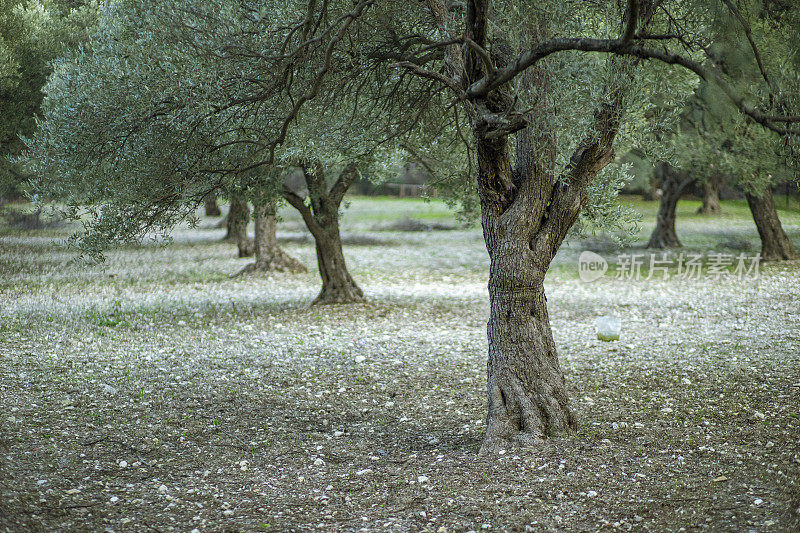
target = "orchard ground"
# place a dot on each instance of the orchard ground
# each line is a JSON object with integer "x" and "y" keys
{"x": 158, "y": 393}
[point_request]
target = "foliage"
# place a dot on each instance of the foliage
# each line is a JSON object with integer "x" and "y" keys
{"x": 32, "y": 34}
{"x": 715, "y": 139}
{"x": 170, "y": 101}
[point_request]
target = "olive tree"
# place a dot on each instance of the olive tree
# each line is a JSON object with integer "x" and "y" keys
{"x": 32, "y": 34}
{"x": 170, "y": 103}
{"x": 716, "y": 140}
{"x": 532, "y": 182}
{"x": 540, "y": 94}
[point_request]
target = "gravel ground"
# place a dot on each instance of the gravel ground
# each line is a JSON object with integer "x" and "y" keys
{"x": 159, "y": 394}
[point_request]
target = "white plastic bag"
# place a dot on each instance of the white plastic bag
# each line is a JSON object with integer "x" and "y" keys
{"x": 608, "y": 328}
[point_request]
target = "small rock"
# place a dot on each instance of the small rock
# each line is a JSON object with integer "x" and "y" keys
{"x": 364, "y": 472}
{"x": 163, "y": 489}
{"x": 422, "y": 479}
{"x": 759, "y": 415}
{"x": 41, "y": 482}
{"x": 360, "y": 359}
{"x": 114, "y": 499}
{"x": 686, "y": 381}
{"x": 591, "y": 494}
{"x": 108, "y": 389}
{"x": 338, "y": 433}
{"x": 228, "y": 512}
{"x": 666, "y": 410}
{"x": 318, "y": 462}
{"x": 758, "y": 501}
{"x": 72, "y": 491}
{"x": 123, "y": 464}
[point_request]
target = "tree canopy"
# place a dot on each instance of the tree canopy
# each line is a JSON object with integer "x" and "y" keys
{"x": 32, "y": 34}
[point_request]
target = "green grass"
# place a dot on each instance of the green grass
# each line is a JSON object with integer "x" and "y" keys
{"x": 732, "y": 210}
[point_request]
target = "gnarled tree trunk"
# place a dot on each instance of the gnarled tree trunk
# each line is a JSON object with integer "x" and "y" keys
{"x": 527, "y": 396}
{"x": 211, "y": 207}
{"x": 269, "y": 256}
{"x": 526, "y": 213}
{"x": 775, "y": 244}
{"x": 238, "y": 219}
{"x": 322, "y": 219}
{"x": 711, "y": 204}
{"x": 673, "y": 184}
{"x": 337, "y": 284}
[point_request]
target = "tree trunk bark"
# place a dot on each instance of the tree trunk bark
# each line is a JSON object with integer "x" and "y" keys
{"x": 711, "y": 204}
{"x": 527, "y": 395}
{"x": 338, "y": 286}
{"x": 673, "y": 184}
{"x": 775, "y": 244}
{"x": 238, "y": 219}
{"x": 321, "y": 216}
{"x": 269, "y": 256}
{"x": 211, "y": 207}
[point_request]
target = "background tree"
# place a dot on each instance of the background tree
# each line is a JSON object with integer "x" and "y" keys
{"x": 211, "y": 207}
{"x": 672, "y": 183}
{"x": 720, "y": 141}
{"x": 236, "y": 226}
{"x": 171, "y": 124}
{"x": 32, "y": 34}
{"x": 269, "y": 255}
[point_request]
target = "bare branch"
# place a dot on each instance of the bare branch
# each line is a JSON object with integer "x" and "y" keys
{"x": 298, "y": 202}
{"x": 746, "y": 27}
{"x": 488, "y": 83}
{"x": 430, "y": 74}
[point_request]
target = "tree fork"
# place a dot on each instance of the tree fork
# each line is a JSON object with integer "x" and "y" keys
{"x": 322, "y": 220}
